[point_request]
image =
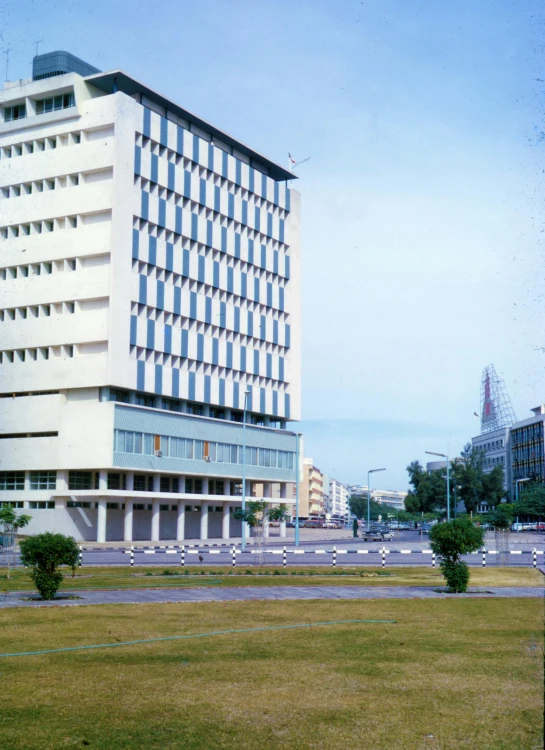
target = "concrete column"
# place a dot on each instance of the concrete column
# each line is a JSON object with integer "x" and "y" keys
{"x": 282, "y": 528}
{"x": 227, "y": 487}
{"x": 226, "y": 518}
{"x": 101, "y": 520}
{"x": 204, "y": 520}
{"x": 157, "y": 483}
{"x": 27, "y": 481}
{"x": 180, "y": 520}
{"x": 130, "y": 481}
{"x": 127, "y": 521}
{"x": 155, "y": 513}
{"x": 266, "y": 527}
{"x": 181, "y": 484}
{"x": 102, "y": 480}
{"x": 62, "y": 481}
{"x": 283, "y": 490}
{"x": 205, "y": 486}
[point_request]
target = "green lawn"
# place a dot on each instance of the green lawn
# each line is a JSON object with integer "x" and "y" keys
{"x": 450, "y": 674}
{"x": 126, "y": 577}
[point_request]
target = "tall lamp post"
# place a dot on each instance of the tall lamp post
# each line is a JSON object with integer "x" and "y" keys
{"x": 517, "y": 482}
{"x": 371, "y": 471}
{"x": 444, "y": 455}
{"x": 297, "y": 477}
{"x": 243, "y": 535}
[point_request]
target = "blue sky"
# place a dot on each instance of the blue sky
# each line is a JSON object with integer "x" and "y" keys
{"x": 422, "y": 217}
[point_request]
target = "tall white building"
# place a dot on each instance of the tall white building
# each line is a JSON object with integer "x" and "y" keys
{"x": 149, "y": 279}
{"x": 338, "y": 500}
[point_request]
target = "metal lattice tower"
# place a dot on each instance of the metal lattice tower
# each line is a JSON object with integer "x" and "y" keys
{"x": 496, "y": 408}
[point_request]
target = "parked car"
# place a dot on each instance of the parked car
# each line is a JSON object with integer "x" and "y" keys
{"x": 517, "y": 527}
{"x": 377, "y": 535}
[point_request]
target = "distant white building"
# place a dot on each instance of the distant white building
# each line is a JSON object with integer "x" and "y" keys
{"x": 339, "y": 495}
{"x": 393, "y": 498}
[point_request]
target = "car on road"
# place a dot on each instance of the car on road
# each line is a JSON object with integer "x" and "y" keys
{"x": 377, "y": 535}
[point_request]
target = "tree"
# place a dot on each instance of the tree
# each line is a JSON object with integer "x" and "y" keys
{"x": 450, "y": 541}
{"x": 502, "y": 516}
{"x": 429, "y": 491}
{"x": 358, "y": 506}
{"x": 476, "y": 486}
{"x": 12, "y": 522}
{"x": 531, "y": 501}
{"x": 44, "y": 554}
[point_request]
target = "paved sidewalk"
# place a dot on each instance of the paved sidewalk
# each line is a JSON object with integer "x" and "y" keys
{"x": 210, "y": 594}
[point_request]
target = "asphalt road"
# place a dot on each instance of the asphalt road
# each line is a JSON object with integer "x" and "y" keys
{"x": 304, "y": 556}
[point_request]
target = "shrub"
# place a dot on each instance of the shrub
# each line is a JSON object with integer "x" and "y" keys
{"x": 456, "y": 575}
{"x": 44, "y": 554}
{"x": 450, "y": 541}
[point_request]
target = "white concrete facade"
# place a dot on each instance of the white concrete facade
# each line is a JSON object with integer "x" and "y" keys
{"x": 149, "y": 277}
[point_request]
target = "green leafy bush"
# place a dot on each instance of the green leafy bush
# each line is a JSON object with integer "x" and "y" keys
{"x": 450, "y": 541}
{"x": 44, "y": 554}
{"x": 456, "y": 575}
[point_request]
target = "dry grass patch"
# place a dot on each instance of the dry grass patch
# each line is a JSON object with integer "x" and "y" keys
{"x": 468, "y": 672}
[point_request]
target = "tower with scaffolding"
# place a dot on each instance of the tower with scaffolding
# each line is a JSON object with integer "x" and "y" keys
{"x": 497, "y": 415}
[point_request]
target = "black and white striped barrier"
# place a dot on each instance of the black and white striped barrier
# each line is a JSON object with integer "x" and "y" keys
{"x": 80, "y": 556}
{"x": 333, "y": 552}
{"x": 234, "y": 558}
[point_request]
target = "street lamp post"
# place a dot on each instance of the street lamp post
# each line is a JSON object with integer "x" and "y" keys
{"x": 444, "y": 455}
{"x": 243, "y": 535}
{"x": 371, "y": 471}
{"x": 517, "y": 482}
{"x": 297, "y": 438}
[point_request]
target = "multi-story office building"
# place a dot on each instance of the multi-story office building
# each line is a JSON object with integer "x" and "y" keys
{"x": 338, "y": 500}
{"x": 495, "y": 448}
{"x": 528, "y": 450}
{"x": 393, "y": 498}
{"x": 149, "y": 291}
{"x": 311, "y": 491}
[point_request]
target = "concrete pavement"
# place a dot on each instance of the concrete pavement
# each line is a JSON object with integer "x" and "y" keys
{"x": 269, "y": 593}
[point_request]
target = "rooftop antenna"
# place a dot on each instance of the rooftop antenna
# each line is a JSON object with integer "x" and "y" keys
{"x": 7, "y": 62}
{"x": 496, "y": 408}
{"x": 37, "y": 43}
{"x": 292, "y": 163}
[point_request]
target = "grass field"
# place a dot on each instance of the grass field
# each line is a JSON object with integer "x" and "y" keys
{"x": 450, "y": 674}
{"x": 125, "y": 577}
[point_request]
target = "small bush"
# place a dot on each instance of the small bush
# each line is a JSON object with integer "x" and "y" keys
{"x": 186, "y": 572}
{"x": 249, "y": 572}
{"x": 46, "y": 583}
{"x": 456, "y": 575}
{"x": 149, "y": 573}
{"x": 277, "y": 573}
{"x": 168, "y": 573}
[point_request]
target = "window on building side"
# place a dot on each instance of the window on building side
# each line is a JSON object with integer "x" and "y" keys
{"x": 12, "y": 480}
{"x": 54, "y": 103}
{"x": 80, "y": 480}
{"x": 17, "y": 112}
{"x": 43, "y": 480}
